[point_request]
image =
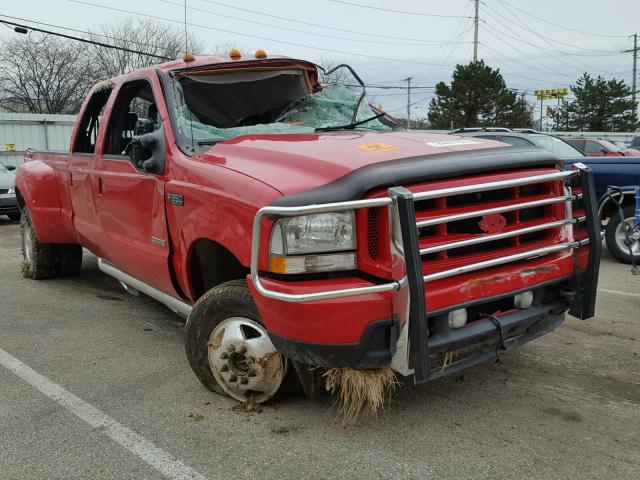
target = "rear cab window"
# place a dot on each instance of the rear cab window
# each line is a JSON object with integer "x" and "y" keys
{"x": 89, "y": 125}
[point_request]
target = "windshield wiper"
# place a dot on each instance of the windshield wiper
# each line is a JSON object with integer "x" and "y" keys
{"x": 350, "y": 126}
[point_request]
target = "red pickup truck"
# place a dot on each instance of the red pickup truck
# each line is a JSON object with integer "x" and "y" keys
{"x": 294, "y": 228}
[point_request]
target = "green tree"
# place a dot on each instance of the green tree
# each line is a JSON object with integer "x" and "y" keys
{"x": 477, "y": 96}
{"x": 600, "y": 105}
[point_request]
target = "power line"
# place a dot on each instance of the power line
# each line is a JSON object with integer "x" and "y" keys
{"x": 520, "y": 75}
{"x": 304, "y": 32}
{"x": 301, "y": 22}
{"x": 93, "y": 34}
{"x": 84, "y": 40}
{"x": 312, "y": 47}
{"x": 562, "y": 26}
{"x": 517, "y": 38}
{"x": 370, "y": 7}
{"x": 493, "y": 33}
{"x": 577, "y": 47}
{"x": 545, "y": 39}
{"x": 447, "y": 53}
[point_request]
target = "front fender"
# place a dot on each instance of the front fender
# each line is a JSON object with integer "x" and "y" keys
{"x": 38, "y": 189}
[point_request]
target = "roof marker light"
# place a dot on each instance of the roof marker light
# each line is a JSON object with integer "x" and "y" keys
{"x": 260, "y": 53}
{"x": 188, "y": 57}
{"x": 235, "y": 54}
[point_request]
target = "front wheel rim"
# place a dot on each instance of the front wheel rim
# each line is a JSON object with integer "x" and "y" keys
{"x": 244, "y": 361}
{"x": 621, "y": 239}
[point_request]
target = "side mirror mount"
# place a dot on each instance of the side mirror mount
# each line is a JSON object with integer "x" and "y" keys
{"x": 148, "y": 151}
{"x": 10, "y": 167}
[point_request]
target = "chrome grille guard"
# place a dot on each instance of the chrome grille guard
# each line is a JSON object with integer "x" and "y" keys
{"x": 402, "y": 213}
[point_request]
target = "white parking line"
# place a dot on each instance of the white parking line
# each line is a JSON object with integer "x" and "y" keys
{"x": 618, "y": 292}
{"x": 132, "y": 441}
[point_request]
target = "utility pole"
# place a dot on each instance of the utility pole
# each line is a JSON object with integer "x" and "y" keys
{"x": 634, "y": 51}
{"x": 475, "y": 32}
{"x": 408, "y": 80}
{"x": 540, "y": 128}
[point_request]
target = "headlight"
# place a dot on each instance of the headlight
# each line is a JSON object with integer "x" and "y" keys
{"x": 325, "y": 232}
{"x": 297, "y": 241}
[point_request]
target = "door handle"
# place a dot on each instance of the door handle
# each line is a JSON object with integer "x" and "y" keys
{"x": 97, "y": 184}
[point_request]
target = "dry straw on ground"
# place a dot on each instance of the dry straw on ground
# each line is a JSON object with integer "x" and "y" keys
{"x": 360, "y": 390}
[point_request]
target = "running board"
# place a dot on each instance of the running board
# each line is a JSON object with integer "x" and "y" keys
{"x": 128, "y": 282}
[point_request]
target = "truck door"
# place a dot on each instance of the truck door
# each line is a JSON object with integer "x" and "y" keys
{"x": 81, "y": 164}
{"x": 129, "y": 201}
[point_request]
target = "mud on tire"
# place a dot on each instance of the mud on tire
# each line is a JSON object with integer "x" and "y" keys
{"x": 229, "y": 301}
{"x": 46, "y": 260}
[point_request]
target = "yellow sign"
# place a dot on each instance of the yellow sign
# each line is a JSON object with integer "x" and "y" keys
{"x": 11, "y": 147}
{"x": 551, "y": 93}
{"x": 377, "y": 147}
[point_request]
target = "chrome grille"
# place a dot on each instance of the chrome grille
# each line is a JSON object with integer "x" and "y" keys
{"x": 491, "y": 220}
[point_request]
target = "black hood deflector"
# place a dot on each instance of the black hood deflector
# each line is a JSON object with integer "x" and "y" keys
{"x": 423, "y": 168}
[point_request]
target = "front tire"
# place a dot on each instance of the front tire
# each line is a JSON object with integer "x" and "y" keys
{"x": 616, "y": 241}
{"x": 46, "y": 260}
{"x": 228, "y": 347}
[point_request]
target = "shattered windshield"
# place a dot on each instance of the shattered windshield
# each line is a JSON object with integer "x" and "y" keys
{"x": 213, "y": 107}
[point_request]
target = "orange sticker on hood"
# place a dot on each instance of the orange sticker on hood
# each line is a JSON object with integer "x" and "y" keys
{"x": 377, "y": 147}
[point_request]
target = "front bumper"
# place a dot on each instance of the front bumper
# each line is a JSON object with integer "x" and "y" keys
{"x": 449, "y": 349}
{"x": 407, "y": 338}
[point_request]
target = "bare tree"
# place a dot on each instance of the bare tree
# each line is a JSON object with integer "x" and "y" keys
{"x": 225, "y": 48}
{"x": 340, "y": 76}
{"x": 152, "y": 38}
{"x": 47, "y": 75}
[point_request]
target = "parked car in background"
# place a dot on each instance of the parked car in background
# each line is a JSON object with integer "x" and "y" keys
{"x": 624, "y": 172}
{"x": 525, "y": 130}
{"x": 519, "y": 139}
{"x": 621, "y": 143}
{"x": 480, "y": 129}
{"x": 596, "y": 147}
{"x": 8, "y": 203}
{"x": 618, "y": 170}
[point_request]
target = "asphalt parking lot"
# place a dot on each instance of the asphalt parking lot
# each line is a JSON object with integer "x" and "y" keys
{"x": 95, "y": 384}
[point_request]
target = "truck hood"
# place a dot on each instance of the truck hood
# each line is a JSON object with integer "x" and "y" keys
{"x": 293, "y": 163}
{"x": 7, "y": 179}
